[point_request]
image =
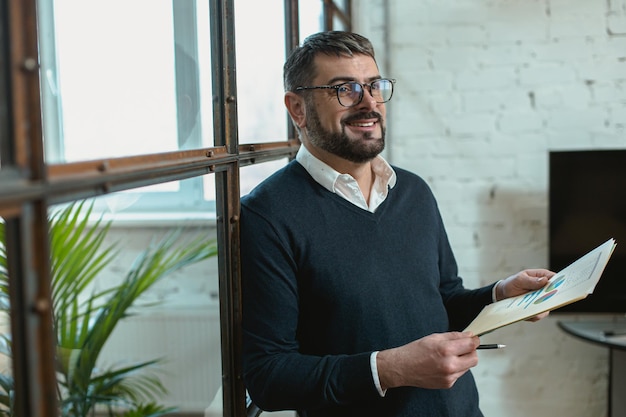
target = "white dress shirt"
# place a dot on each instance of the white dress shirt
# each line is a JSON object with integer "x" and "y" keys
{"x": 345, "y": 185}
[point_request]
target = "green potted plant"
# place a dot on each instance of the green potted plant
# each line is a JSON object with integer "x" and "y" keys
{"x": 85, "y": 317}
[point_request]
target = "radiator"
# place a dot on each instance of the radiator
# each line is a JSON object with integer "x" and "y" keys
{"x": 188, "y": 342}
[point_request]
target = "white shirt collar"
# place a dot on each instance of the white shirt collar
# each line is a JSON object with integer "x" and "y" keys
{"x": 345, "y": 185}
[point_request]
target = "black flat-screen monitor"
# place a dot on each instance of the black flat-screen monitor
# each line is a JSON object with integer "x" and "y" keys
{"x": 587, "y": 206}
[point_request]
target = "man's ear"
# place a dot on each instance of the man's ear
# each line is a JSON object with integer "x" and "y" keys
{"x": 296, "y": 108}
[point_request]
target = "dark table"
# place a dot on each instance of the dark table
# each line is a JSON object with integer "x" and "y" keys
{"x": 611, "y": 334}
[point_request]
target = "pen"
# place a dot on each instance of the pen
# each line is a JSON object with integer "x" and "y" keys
{"x": 492, "y": 346}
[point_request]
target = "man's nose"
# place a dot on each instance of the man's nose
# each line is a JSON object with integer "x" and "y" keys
{"x": 368, "y": 100}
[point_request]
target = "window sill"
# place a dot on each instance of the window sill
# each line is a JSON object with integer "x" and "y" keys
{"x": 157, "y": 219}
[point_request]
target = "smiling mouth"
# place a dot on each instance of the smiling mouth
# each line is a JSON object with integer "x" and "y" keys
{"x": 363, "y": 120}
{"x": 361, "y": 124}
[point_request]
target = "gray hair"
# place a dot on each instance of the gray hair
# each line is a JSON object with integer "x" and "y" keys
{"x": 299, "y": 69}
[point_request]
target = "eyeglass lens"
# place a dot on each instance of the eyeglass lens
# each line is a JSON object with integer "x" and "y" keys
{"x": 351, "y": 93}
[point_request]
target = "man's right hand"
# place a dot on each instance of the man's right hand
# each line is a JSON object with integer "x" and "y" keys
{"x": 434, "y": 361}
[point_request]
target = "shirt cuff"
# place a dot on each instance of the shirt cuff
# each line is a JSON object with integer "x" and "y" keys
{"x": 493, "y": 291}
{"x": 374, "y": 368}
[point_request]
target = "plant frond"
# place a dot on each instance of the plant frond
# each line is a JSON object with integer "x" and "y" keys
{"x": 149, "y": 410}
{"x": 77, "y": 255}
{"x": 159, "y": 260}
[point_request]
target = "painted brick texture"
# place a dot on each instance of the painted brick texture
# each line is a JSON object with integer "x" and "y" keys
{"x": 485, "y": 90}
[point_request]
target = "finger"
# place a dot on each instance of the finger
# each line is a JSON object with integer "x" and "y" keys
{"x": 530, "y": 281}
{"x": 467, "y": 361}
{"x": 454, "y": 343}
{"x": 453, "y": 378}
{"x": 466, "y": 344}
{"x": 461, "y": 365}
{"x": 538, "y": 282}
{"x": 539, "y": 272}
{"x": 460, "y": 335}
{"x": 451, "y": 336}
{"x": 538, "y": 317}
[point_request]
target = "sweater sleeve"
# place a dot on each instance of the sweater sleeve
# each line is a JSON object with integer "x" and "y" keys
{"x": 276, "y": 375}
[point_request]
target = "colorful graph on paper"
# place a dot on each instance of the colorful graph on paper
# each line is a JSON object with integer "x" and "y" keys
{"x": 544, "y": 294}
{"x": 572, "y": 283}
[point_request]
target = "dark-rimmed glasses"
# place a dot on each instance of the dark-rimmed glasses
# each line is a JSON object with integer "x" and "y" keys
{"x": 350, "y": 93}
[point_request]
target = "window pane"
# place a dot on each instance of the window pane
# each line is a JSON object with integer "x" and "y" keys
{"x": 311, "y": 19}
{"x": 139, "y": 82}
{"x": 118, "y": 86}
{"x": 338, "y": 24}
{"x": 169, "y": 200}
{"x": 252, "y": 175}
{"x": 260, "y": 57}
{"x": 130, "y": 82}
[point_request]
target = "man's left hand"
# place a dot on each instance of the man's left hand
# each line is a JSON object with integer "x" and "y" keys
{"x": 523, "y": 282}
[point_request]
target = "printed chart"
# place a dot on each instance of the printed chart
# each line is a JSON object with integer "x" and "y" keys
{"x": 571, "y": 284}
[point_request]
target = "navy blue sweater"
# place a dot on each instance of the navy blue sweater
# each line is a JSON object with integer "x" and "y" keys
{"x": 326, "y": 283}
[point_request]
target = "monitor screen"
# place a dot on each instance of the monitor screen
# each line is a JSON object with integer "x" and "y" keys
{"x": 587, "y": 206}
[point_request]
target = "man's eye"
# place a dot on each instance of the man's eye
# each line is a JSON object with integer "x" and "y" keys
{"x": 344, "y": 89}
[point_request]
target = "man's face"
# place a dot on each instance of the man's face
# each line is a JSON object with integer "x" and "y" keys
{"x": 356, "y": 133}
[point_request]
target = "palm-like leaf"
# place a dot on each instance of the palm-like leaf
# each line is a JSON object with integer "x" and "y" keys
{"x": 82, "y": 327}
{"x": 158, "y": 261}
{"x": 6, "y": 396}
{"x": 77, "y": 255}
{"x": 115, "y": 387}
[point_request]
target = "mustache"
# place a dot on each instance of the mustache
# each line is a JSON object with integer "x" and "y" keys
{"x": 363, "y": 115}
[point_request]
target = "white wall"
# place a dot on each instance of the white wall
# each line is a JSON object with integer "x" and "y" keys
{"x": 485, "y": 89}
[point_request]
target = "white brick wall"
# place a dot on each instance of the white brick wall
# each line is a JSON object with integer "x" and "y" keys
{"x": 485, "y": 90}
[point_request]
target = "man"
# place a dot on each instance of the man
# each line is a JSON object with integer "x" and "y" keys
{"x": 352, "y": 304}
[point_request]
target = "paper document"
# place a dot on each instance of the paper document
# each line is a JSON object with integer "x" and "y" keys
{"x": 571, "y": 284}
